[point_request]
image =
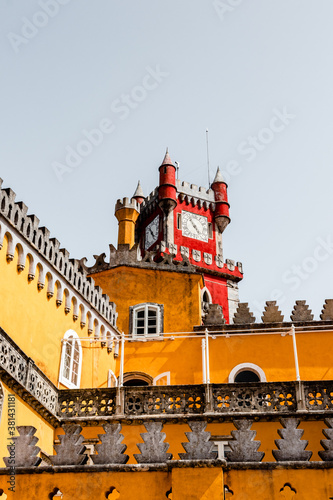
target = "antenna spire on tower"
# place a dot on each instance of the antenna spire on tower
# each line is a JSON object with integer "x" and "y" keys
{"x": 207, "y": 158}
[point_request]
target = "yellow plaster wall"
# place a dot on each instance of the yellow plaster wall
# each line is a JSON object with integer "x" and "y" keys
{"x": 37, "y": 325}
{"x": 178, "y": 292}
{"x": 306, "y": 484}
{"x": 187, "y": 483}
{"x": 24, "y": 415}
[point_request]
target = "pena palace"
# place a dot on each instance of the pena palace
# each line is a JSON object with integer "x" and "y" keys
{"x": 143, "y": 377}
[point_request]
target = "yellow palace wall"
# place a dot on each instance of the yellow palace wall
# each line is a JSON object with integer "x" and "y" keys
{"x": 37, "y": 326}
{"x": 178, "y": 292}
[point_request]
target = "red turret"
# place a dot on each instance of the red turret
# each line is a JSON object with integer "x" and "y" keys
{"x": 167, "y": 191}
{"x": 221, "y": 215}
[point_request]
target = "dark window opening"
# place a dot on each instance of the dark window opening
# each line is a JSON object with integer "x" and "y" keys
{"x": 135, "y": 382}
{"x": 247, "y": 376}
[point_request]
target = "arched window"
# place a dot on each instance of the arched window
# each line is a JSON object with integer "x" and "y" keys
{"x": 146, "y": 320}
{"x": 71, "y": 360}
{"x": 137, "y": 379}
{"x": 247, "y": 372}
{"x": 206, "y": 299}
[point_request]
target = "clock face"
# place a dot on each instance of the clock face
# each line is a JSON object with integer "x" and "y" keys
{"x": 194, "y": 226}
{"x": 151, "y": 232}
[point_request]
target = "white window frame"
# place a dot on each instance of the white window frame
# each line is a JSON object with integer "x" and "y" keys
{"x": 67, "y": 382}
{"x": 251, "y": 367}
{"x": 145, "y": 307}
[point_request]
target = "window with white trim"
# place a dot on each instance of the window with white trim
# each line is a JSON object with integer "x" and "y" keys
{"x": 146, "y": 320}
{"x": 247, "y": 372}
{"x": 71, "y": 360}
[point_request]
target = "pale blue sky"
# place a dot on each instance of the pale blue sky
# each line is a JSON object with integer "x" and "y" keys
{"x": 231, "y": 69}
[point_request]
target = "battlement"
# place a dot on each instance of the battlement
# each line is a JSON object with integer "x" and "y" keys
{"x": 194, "y": 191}
{"x": 127, "y": 203}
{"x": 150, "y": 198}
{"x": 45, "y": 257}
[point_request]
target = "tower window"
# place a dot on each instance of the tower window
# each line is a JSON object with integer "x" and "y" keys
{"x": 210, "y": 230}
{"x": 71, "y": 360}
{"x": 165, "y": 170}
{"x": 146, "y": 320}
{"x": 179, "y": 221}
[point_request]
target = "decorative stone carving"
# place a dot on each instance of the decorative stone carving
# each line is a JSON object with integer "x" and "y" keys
{"x": 169, "y": 400}
{"x": 196, "y": 255}
{"x": 291, "y": 447}
{"x": 70, "y": 451}
{"x": 243, "y": 315}
{"x": 272, "y": 314}
{"x": 185, "y": 251}
{"x": 27, "y": 374}
{"x": 173, "y": 249}
{"x": 22, "y": 449}
{"x": 230, "y": 264}
{"x": 199, "y": 447}
{"x": 208, "y": 258}
{"x": 243, "y": 447}
{"x": 327, "y": 312}
{"x": 153, "y": 450}
{"x": 214, "y": 315}
{"x": 327, "y": 444}
{"x": 110, "y": 451}
{"x": 258, "y": 398}
{"x": 219, "y": 261}
{"x": 301, "y": 312}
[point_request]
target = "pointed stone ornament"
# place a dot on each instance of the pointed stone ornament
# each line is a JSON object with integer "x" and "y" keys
{"x": 243, "y": 315}
{"x": 301, "y": 312}
{"x": 23, "y": 450}
{"x": 110, "y": 451}
{"x": 153, "y": 450}
{"x": 199, "y": 447}
{"x": 291, "y": 446}
{"x": 327, "y": 312}
{"x": 327, "y": 444}
{"x": 272, "y": 314}
{"x": 243, "y": 447}
{"x": 70, "y": 451}
{"x": 218, "y": 176}
{"x": 214, "y": 315}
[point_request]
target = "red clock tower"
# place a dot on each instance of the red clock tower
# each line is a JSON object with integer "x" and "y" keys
{"x": 187, "y": 221}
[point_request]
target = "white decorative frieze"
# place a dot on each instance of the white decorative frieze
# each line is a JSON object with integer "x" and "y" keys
{"x": 185, "y": 251}
{"x": 219, "y": 260}
{"x": 173, "y": 249}
{"x": 208, "y": 258}
{"x": 196, "y": 255}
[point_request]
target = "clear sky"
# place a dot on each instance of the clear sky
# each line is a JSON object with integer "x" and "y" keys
{"x": 155, "y": 73}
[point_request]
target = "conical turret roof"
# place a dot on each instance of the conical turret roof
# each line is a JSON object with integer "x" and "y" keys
{"x": 138, "y": 192}
{"x": 218, "y": 176}
{"x": 167, "y": 159}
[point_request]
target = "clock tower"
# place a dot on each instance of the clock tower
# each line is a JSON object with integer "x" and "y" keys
{"x": 187, "y": 222}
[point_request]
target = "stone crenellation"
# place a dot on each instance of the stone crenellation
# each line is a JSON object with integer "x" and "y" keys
{"x": 24, "y": 228}
{"x": 193, "y": 191}
{"x": 127, "y": 203}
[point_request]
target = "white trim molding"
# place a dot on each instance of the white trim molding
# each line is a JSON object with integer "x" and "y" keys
{"x": 249, "y": 367}
{"x": 71, "y": 360}
{"x": 165, "y": 375}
